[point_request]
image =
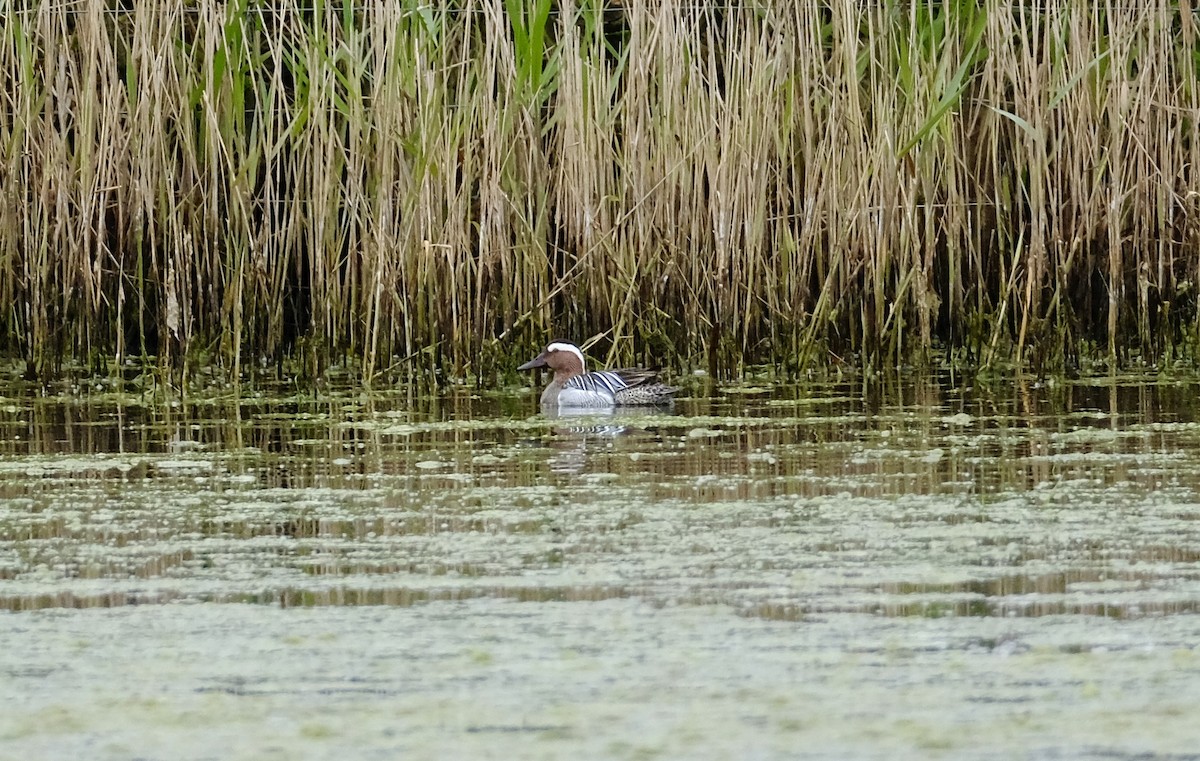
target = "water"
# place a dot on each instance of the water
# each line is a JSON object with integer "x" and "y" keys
{"x": 882, "y": 570}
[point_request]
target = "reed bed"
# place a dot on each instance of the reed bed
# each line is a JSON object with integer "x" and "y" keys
{"x": 431, "y": 189}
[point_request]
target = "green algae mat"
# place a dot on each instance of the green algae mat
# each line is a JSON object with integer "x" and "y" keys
{"x": 906, "y": 571}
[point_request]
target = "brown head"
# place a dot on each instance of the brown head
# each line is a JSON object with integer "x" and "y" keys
{"x": 564, "y": 358}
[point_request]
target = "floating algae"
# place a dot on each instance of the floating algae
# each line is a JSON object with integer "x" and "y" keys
{"x": 906, "y": 576}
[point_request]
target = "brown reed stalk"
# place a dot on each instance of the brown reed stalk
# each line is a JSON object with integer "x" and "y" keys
{"x": 433, "y": 189}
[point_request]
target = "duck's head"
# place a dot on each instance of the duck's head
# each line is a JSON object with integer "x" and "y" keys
{"x": 563, "y": 357}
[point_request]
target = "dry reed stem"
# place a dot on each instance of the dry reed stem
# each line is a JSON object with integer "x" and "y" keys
{"x": 441, "y": 187}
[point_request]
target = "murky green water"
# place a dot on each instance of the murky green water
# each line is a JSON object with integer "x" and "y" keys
{"x": 880, "y": 571}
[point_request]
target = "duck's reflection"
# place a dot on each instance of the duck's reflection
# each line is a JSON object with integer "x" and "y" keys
{"x": 587, "y": 431}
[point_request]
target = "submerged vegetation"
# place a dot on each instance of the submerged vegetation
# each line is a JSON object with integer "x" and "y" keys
{"x": 413, "y": 186}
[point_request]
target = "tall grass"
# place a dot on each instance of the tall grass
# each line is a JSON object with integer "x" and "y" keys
{"x": 435, "y": 188}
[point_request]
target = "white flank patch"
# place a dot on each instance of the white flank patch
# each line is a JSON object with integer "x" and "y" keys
{"x": 559, "y": 346}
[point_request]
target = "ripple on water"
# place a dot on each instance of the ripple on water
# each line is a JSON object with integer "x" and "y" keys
{"x": 863, "y": 542}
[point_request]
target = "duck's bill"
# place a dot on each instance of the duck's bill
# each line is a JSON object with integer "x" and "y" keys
{"x": 538, "y": 361}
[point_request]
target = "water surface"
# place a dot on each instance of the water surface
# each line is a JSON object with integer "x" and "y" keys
{"x": 920, "y": 569}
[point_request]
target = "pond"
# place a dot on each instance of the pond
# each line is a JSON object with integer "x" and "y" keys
{"x": 910, "y": 569}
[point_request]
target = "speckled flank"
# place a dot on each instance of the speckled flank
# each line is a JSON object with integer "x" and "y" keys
{"x": 651, "y": 393}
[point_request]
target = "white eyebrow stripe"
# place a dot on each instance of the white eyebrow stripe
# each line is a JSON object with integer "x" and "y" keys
{"x": 568, "y": 347}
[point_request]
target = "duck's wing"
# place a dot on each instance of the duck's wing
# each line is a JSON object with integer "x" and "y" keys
{"x": 643, "y": 388}
{"x": 602, "y": 381}
{"x": 612, "y": 381}
{"x": 635, "y": 376}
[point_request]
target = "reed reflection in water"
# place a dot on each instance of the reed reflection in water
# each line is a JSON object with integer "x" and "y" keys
{"x": 925, "y": 498}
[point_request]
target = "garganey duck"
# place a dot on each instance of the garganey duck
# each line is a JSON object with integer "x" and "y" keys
{"x": 573, "y": 387}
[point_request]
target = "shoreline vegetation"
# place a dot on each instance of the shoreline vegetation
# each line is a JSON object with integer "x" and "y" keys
{"x": 434, "y": 189}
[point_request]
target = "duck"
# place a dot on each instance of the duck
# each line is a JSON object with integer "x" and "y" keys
{"x": 573, "y": 387}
